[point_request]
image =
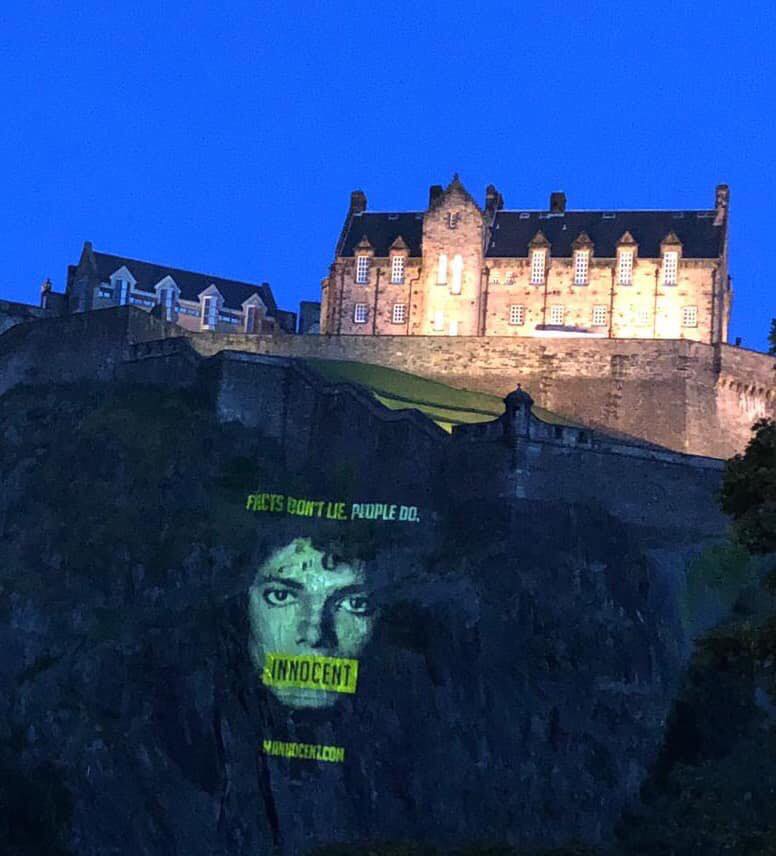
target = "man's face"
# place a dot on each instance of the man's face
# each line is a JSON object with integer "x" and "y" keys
{"x": 302, "y": 603}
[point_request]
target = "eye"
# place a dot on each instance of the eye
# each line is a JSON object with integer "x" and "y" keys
{"x": 278, "y": 596}
{"x": 357, "y": 604}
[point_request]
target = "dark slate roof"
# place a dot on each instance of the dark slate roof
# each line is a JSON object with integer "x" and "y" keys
{"x": 513, "y": 230}
{"x": 190, "y": 284}
{"x": 383, "y": 229}
{"x": 286, "y": 320}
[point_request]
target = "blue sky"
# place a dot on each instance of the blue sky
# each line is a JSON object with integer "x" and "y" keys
{"x": 226, "y": 138}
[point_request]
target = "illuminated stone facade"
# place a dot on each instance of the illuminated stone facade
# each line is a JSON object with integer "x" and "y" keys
{"x": 471, "y": 271}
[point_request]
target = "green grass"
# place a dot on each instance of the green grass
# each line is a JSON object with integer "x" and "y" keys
{"x": 399, "y": 390}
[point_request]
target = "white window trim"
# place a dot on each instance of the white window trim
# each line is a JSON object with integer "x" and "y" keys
{"x": 398, "y": 265}
{"x": 439, "y": 320}
{"x": 399, "y": 309}
{"x": 562, "y": 314}
{"x": 516, "y": 314}
{"x": 691, "y": 312}
{"x": 362, "y": 269}
{"x": 360, "y": 309}
{"x": 581, "y": 267}
{"x": 210, "y": 312}
{"x": 252, "y": 309}
{"x": 625, "y": 270}
{"x": 452, "y": 329}
{"x": 600, "y": 316}
{"x": 670, "y": 267}
{"x": 538, "y": 274}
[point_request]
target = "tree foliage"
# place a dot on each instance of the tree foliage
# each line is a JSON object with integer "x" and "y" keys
{"x": 748, "y": 491}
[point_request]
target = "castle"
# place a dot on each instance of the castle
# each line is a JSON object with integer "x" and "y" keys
{"x": 456, "y": 269}
{"x": 484, "y": 298}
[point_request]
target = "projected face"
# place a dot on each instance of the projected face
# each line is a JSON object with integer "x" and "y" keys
{"x": 303, "y": 602}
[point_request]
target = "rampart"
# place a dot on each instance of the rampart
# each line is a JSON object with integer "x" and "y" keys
{"x": 683, "y": 395}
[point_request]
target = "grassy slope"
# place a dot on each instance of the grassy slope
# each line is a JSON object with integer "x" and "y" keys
{"x": 399, "y": 390}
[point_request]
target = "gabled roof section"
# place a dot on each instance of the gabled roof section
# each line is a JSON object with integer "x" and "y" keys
{"x": 382, "y": 229}
{"x": 455, "y": 186}
{"x": 513, "y": 231}
{"x": 148, "y": 274}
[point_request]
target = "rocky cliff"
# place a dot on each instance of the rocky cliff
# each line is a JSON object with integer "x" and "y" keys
{"x": 523, "y": 664}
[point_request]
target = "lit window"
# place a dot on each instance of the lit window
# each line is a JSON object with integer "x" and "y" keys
{"x": 625, "y": 272}
{"x": 599, "y": 316}
{"x": 557, "y": 314}
{"x": 252, "y": 319}
{"x": 670, "y": 266}
{"x": 689, "y": 316}
{"x": 455, "y": 285}
{"x": 362, "y": 269}
{"x": 538, "y": 258}
{"x": 642, "y": 317}
{"x": 453, "y": 326}
{"x": 581, "y": 266}
{"x": 399, "y": 315}
{"x": 359, "y": 313}
{"x": 397, "y": 269}
{"x": 439, "y": 320}
{"x": 452, "y": 219}
{"x": 442, "y": 270}
{"x": 209, "y": 312}
{"x": 516, "y": 314}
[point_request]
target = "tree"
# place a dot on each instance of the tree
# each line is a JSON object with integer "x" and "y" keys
{"x": 748, "y": 491}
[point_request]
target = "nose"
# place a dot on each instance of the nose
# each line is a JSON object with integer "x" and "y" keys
{"x": 316, "y": 628}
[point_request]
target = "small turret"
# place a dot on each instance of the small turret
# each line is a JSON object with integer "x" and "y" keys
{"x": 517, "y": 415}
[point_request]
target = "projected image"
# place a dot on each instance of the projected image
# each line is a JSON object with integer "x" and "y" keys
{"x": 310, "y": 616}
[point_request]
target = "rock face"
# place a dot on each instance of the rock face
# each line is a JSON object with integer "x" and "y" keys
{"x": 523, "y": 660}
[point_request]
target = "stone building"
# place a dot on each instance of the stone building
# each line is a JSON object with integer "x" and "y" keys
{"x": 461, "y": 269}
{"x": 194, "y": 301}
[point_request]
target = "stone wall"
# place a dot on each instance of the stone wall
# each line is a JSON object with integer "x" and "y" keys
{"x": 667, "y": 392}
{"x": 684, "y": 395}
{"x": 12, "y": 313}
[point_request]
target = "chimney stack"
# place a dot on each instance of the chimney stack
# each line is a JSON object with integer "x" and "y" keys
{"x": 434, "y": 192}
{"x": 357, "y": 202}
{"x": 557, "y": 202}
{"x": 721, "y": 202}
{"x": 494, "y": 201}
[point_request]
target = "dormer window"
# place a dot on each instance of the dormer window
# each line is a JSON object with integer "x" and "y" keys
{"x": 538, "y": 266}
{"x": 362, "y": 270}
{"x": 442, "y": 270}
{"x": 167, "y": 301}
{"x": 452, "y": 219}
{"x": 455, "y": 285}
{"x": 397, "y": 270}
{"x": 121, "y": 290}
{"x": 625, "y": 267}
{"x": 670, "y": 267}
{"x": 252, "y": 319}
{"x": 581, "y": 266}
{"x": 209, "y": 312}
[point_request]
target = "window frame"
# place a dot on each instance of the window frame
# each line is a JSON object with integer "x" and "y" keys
{"x": 694, "y": 316}
{"x": 356, "y": 313}
{"x": 442, "y": 266}
{"x": 362, "y": 269}
{"x": 456, "y": 283}
{"x": 581, "y": 262}
{"x": 630, "y": 254}
{"x": 538, "y": 276}
{"x": 600, "y": 310}
{"x": 673, "y": 267}
{"x": 398, "y": 268}
{"x": 403, "y": 312}
{"x": 517, "y": 314}
{"x": 562, "y": 308}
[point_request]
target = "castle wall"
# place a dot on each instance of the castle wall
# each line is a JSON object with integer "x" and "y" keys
{"x": 12, "y": 313}
{"x": 666, "y": 391}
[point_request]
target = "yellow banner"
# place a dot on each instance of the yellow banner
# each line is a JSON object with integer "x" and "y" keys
{"x": 308, "y": 671}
